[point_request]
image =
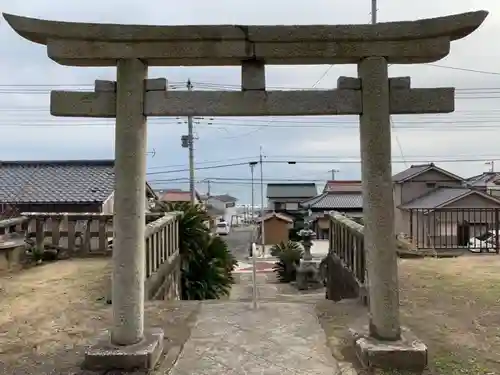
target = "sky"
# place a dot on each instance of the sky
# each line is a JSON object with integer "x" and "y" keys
{"x": 469, "y": 136}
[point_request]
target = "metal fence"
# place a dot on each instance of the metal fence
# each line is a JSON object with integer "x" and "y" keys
{"x": 476, "y": 229}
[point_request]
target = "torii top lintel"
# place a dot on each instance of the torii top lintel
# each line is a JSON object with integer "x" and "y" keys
{"x": 90, "y": 44}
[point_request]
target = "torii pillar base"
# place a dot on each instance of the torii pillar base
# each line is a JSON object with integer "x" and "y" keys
{"x": 406, "y": 354}
{"x": 104, "y": 356}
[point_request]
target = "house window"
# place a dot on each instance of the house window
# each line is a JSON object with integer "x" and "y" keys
{"x": 278, "y": 205}
{"x": 431, "y": 185}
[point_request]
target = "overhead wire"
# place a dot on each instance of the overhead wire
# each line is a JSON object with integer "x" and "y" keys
{"x": 337, "y": 161}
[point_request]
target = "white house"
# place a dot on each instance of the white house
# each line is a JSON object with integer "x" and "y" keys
{"x": 224, "y": 203}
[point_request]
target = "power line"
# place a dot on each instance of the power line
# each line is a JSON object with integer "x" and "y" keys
{"x": 427, "y": 124}
{"x": 457, "y": 160}
{"x": 464, "y": 69}
{"x": 300, "y": 158}
{"x": 199, "y": 168}
{"x": 204, "y": 162}
{"x": 47, "y": 88}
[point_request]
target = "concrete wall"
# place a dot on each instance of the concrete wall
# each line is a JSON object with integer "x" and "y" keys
{"x": 173, "y": 285}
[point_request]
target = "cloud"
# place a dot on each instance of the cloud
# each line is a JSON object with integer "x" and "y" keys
{"x": 24, "y": 116}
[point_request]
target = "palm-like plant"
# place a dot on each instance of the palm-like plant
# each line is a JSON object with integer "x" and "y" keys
{"x": 289, "y": 255}
{"x": 207, "y": 263}
{"x": 209, "y": 276}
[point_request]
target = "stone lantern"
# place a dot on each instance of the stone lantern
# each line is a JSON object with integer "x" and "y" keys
{"x": 308, "y": 271}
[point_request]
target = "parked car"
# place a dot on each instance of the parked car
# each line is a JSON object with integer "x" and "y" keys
{"x": 485, "y": 242}
{"x": 222, "y": 228}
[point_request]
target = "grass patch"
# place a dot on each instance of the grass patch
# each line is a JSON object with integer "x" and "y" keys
{"x": 452, "y": 304}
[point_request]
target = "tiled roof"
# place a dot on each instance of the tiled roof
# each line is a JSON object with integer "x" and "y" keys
{"x": 333, "y": 200}
{"x": 68, "y": 181}
{"x": 175, "y": 195}
{"x": 416, "y": 170}
{"x": 343, "y": 185}
{"x": 442, "y": 196}
{"x": 413, "y": 171}
{"x": 225, "y": 198}
{"x": 484, "y": 179}
{"x": 303, "y": 190}
{"x": 277, "y": 215}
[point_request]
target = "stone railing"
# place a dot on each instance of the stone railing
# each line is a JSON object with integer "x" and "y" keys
{"x": 92, "y": 233}
{"x": 13, "y": 225}
{"x": 82, "y": 233}
{"x": 347, "y": 274}
{"x": 348, "y": 257}
{"x": 163, "y": 258}
{"x": 12, "y": 243}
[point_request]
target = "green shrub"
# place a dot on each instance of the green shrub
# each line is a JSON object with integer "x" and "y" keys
{"x": 289, "y": 255}
{"x": 207, "y": 263}
{"x": 209, "y": 276}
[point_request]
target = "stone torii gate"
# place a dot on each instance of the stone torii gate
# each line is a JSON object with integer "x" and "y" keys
{"x": 133, "y": 97}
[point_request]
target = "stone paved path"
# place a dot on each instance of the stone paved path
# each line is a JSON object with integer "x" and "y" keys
{"x": 278, "y": 338}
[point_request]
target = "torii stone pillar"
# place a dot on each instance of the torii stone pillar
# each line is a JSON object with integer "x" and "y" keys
{"x": 373, "y": 96}
{"x": 378, "y": 201}
{"x": 130, "y": 192}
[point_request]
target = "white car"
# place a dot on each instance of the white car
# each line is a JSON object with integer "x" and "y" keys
{"x": 484, "y": 243}
{"x": 222, "y": 228}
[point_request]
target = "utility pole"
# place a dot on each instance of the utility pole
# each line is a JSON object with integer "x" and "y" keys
{"x": 191, "y": 151}
{"x": 374, "y": 11}
{"x": 333, "y": 173}
{"x": 252, "y": 167}
{"x": 253, "y": 251}
{"x": 262, "y": 209}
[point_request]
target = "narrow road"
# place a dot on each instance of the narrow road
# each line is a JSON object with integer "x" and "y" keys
{"x": 238, "y": 241}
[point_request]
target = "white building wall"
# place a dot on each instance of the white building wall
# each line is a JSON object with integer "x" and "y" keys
{"x": 229, "y": 212}
{"x": 216, "y": 203}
